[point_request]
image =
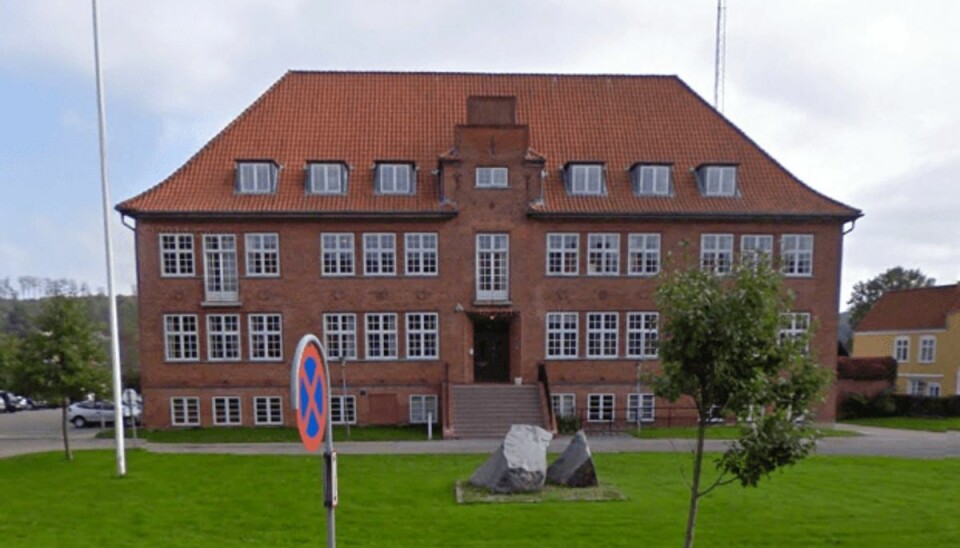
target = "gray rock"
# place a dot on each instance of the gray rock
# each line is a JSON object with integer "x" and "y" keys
{"x": 575, "y": 466}
{"x": 519, "y": 465}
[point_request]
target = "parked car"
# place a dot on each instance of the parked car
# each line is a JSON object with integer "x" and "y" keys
{"x": 11, "y": 402}
{"x": 96, "y": 412}
{"x": 3, "y": 405}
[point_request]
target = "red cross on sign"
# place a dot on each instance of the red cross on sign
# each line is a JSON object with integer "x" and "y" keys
{"x": 312, "y": 390}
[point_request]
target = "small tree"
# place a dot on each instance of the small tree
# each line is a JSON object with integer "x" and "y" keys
{"x": 722, "y": 349}
{"x": 9, "y": 354}
{"x": 865, "y": 294}
{"x": 62, "y": 358}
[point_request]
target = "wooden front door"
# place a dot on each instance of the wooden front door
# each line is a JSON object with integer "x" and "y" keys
{"x": 491, "y": 351}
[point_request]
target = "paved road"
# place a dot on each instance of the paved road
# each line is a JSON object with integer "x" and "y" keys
{"x": 37, "y": 431}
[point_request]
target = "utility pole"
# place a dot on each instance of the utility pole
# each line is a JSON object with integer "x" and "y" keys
{"x": 720, "y": 55}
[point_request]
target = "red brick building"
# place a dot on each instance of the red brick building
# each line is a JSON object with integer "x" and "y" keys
{"x": 445, "y": 230}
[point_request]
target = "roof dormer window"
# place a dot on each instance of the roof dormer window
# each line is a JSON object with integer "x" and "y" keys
{"x": 257, "y": 177}
{"x": 394, "y": 178}
{"x": 651, "y": 180}
{"x": 585, "y": 179}
{"x": 492, "y": 177}
{"x": 717, "y": 180}
{"x": 326, "y": 178}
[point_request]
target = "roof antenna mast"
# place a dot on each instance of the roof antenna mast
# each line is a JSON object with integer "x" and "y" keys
{"x": 720, "y": 55}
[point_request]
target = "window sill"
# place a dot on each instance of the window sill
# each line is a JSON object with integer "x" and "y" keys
{"x": 502, "y": 302}
{"x": 221, "y": 304}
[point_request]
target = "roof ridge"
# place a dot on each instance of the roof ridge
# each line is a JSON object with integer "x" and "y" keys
{"x": 480, "y": 73}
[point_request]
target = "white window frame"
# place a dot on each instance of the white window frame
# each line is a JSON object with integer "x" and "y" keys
{"x": 268, "y": 410}
{"x": 927, "y": 349}
{"x": 262, "y": 254}
{"x": 176, "y": 255}
{"x": 720, "y": 181}
{"x": 643, "y": 254}
{"x": 603, "y": 338}
{"x": 227, "y": 411}
{"x": 562, "y": 335}
{"x": 586, "y": 179}
{"x": 184, "y": 411}
{"x": 265, "y": 333}
{"x": 423, "y": 335}
{"x": 643, "y": 335}
{"x": 326, "y": 178}
{"x": 796, "y": 255}
{"x": 564, "y": 405}
{"x": 340, "y": 335}
{"x": 256, "y": 177}
{"x": 492, "y": 267}
{"x": 422, "y": 254}
{"x": 380, "y": 335}
{"x": 755, "y": 247}
{"x": 794, "y": 325}
{"x": 343, "y": 404}
{"x": 337, "y": 254}
{"x": 379, "y": 254}
{"x": 652, "y": 180}
{"x": 492, "y": 177}
{"x": 601, "y": 407}
{"x": 901, "y": 349}
{"x": 603, "y": 254}
{"x": 181, "y": 338}
{"x": 648, "y": 411}
{"x": 220, "y": 270}
{"x": 390, "y": 182}
{"x": 421, "y": 405}
{"x": 716, "y": 253}
{"x": 223, "y": 338}
{"x": 563, "y": 254}
{"x": 933, "y": 389}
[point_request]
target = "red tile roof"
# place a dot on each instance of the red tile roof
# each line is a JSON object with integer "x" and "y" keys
{"x": 911, "y": 309}
{"x": 363, "y": 117}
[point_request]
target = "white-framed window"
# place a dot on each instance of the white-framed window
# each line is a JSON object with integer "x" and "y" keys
{"x": 176, "y": 255}
{"x": 220, "y": 267}
{"x": 263, "y": 254}
{"x": 933, "y": 389}
{"x": 336, "y": 248}
{"x": 266, "y": 337}
{"x": 493, "y": 267}
{"x": 394, "y": 179}
{"x": 918, "y": 387}
{"x": 651, "y": 180}
{"x": 716, "y": 253}
{"x": 562, "y": 329}
{"x": 642, "y": 402}
{"x": 928, "y": 349}
{"x": 343, "y": 409}
{"x": 796, "y": 254}
{"x": 601, "y": 407}
{"x": 719, "y": 180}
{"x": 267, "y": 410}
{"x": 226, "y": 411}
{"x": 755, "y": 248}
{"x": 223, "y": 337}
{"x": 643, "y": 254}
{"x": 564, "y": 405}
{"x": 423, "y": 335}
{"x": 603, "y": 254}
{"x": 381, "y": 336}
{"x": 423, "y": 406}
{"x": 326, "y": 178}
{"x": 563, "y": 254}
{"x": 256, "y": 177}
{"x": 181, "y": 341}
{"x": 643, "y": 334}
{"x": 422, "y": 254}
{"x": 585, "y": 179}
{"x": 794, "y": 325}
{"x": 492, "y": 177}
{"x": 185, "y": 411}
{"x": 603, "y": 329}
{"x": 380, "y": 254}
{"x": 340, "y": 336}
{"x": 901, "y": 349}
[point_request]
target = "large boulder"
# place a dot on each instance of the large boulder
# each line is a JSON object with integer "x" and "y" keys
{"x": 519, "y": 465}
{"x": 575, "y": 467}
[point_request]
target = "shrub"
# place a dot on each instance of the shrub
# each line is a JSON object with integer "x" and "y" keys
{"x": 568, "y": 424}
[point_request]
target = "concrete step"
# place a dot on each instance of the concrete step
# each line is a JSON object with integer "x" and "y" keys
{"x": 488, "y": 411}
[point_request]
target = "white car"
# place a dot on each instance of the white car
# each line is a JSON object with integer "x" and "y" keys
{"x": 96, "y": 412}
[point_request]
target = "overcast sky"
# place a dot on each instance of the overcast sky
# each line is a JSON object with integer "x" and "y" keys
{"x": 856, "y": 98}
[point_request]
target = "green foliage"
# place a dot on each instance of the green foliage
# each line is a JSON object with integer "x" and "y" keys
{"x": 865, "y": 294}
{"x": 569, "y": 424}
{"x": 887, "y": 404}
{"x": 9, "y": 359}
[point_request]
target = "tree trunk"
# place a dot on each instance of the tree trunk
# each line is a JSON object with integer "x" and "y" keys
{"x": 695, "y": 484}
{"x": 63, "y": 427}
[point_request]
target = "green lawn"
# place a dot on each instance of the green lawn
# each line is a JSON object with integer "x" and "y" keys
{"x": 911, "y": 423}
{"x": 276, "y": 435}
{"x": 222, "y": 500}
{"x": 718, "y": 432}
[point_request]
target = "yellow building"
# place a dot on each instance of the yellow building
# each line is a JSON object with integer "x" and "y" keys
{"x": 920, "y": 328}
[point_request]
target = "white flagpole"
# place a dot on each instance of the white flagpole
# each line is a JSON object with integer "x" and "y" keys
{"x": 118, "y": 418}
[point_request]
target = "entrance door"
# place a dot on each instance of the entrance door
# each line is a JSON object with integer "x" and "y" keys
{"x": 491, "y": 351}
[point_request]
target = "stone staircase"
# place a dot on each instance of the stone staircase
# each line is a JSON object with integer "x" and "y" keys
{"x": 488, "y": 410}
